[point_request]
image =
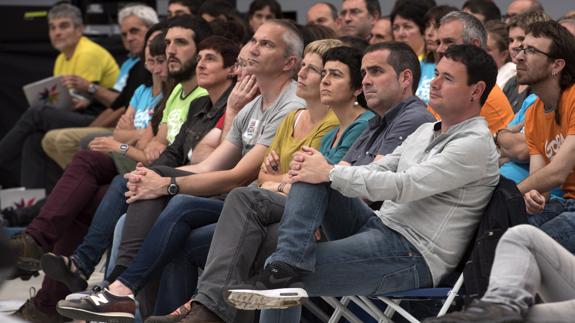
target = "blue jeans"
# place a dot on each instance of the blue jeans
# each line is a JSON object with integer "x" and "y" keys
{"x": 180, "y": 277}
{"x": 362, "y": 256}
{"x": 167, "y": 237}
{"x": 101, "y": 230}
{"x": 553, "y": 208}
{"x": 562, "y": 227}
{"x": 113, "y": 253}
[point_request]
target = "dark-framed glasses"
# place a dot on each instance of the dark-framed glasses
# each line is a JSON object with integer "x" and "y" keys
{"x": 529, "y": 50}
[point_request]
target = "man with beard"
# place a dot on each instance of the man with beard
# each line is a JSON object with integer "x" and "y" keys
{"x": 527, "y": 262}
{"x": 275, "y": 51}
{"x": 545, "y": 63}
{"x": 182, "y": 36}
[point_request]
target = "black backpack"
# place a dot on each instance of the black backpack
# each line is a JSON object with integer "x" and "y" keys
{"x": 505, "y": 209}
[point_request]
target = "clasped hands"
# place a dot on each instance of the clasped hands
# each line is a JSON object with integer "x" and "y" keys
{"x": 309, "y": 166}
{"x": 145, "y": 184}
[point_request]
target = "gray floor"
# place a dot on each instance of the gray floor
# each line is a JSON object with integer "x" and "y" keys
{"x": 14, "y": 293}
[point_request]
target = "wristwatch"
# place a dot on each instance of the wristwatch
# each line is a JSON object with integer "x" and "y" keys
{"x": 173, "y": 188}
{"x": 92, "y": 88}
{"x": 124, "y": 149}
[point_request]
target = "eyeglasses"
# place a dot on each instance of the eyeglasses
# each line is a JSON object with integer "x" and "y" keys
{"x": 529, "y": 51}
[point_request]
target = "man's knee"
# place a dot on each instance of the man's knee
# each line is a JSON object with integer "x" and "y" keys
{"x": 49, "y": 142}
{"x": 524, "y": 233}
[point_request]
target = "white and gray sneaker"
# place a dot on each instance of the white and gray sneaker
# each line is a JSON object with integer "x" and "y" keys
{"x": 278, "y": 286}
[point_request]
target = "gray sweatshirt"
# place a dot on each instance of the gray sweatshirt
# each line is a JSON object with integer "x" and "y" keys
{"x": 435, "y": 187}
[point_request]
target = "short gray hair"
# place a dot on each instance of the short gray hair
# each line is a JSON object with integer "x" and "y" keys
{"x": 292, "y": 37}
{"x": 145, "y": 13}
{"x": 472, "y": 27}
{"x": 66, "y": 10}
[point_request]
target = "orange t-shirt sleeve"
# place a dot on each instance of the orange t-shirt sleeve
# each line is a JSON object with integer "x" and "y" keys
{"x": 497, "y": 110}
{"x": 569, "y": 116}
{"x": 430, "y": 109}
{"x": 530, "y": 129}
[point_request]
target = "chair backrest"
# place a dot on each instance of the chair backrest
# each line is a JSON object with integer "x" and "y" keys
{"x": 505, "y": 209}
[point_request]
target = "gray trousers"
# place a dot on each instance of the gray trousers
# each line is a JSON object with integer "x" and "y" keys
{"x": 140, "y": 218}
{"x": 246, "y": 234}
{"x": 529, "y": 262}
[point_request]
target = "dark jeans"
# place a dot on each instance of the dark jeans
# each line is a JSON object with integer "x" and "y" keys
{"x": 182, "y": 216}
{"x": 180, "y": 277}
{"x": 562, "y": 227}
{"x": 101, "y": 231}
{"x": 362, "y": 256}
{"x": 553, "y": 208}
{"x": 23, "y": 141}
{"x": 65, "y": 217}
{"x": 140, "y": 218}
{"x": 245, "y": 235}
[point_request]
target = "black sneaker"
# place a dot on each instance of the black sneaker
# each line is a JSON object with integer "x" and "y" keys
{"x": 481, "y": 312}
{"x": 103, "y": 306}
{"x": 279, "y": 286}
{"x": 60, "y": 268}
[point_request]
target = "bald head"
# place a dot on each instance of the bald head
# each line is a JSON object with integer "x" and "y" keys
{"x": 522, "y": 6}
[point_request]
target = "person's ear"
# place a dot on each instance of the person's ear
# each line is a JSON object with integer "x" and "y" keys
{"x": 478, "y": 90}
{"x": 558, "y": 66}
{"x": 406, "y": 79}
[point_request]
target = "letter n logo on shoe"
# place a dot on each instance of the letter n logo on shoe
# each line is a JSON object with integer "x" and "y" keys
{"x": 99, "y": 298}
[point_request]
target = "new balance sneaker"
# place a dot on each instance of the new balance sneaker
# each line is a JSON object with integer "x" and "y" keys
{"x": 279, "y": 286}
{"x": 62, "y": 269}
{"x": 103, "y": 306}
{"x": 91, "y": 290}
{"x": 481, "y": 312}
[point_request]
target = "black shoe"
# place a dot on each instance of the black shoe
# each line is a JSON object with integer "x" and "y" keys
{"x": 481, "y": 312}
{"x": 103, "y": 306}
{"x": 60, "y": 268}
{"x": 27, "y": 250}
{"x": 21, "y": 217}
{"x": 279, "y": 286}
{"x": 22, "y": 274}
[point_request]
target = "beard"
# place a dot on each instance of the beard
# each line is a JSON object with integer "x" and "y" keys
{"x": 531, "y": 78}
{"x": 186, "y": 71}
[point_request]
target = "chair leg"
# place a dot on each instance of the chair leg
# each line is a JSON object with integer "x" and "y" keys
{"x": 315, "y": 310}
{"x": 399, "y": 309}
{"x": 341, "y": 310}
{"x": 452, "y": 294}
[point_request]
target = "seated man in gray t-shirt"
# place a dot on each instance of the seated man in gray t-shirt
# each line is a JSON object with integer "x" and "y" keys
{"x": 236, "y": 162}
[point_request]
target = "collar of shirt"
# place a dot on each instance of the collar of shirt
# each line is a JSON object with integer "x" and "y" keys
{"x": 392, "y": 113}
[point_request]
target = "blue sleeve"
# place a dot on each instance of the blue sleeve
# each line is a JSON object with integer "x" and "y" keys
{"x": 520, "y": 115}
{"x": 326, "y": 141}
{"x": 350, "y": 134}
{"x": 135, "y": 100}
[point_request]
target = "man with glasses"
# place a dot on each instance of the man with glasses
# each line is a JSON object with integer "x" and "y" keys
{"x": 545, "y": 61}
